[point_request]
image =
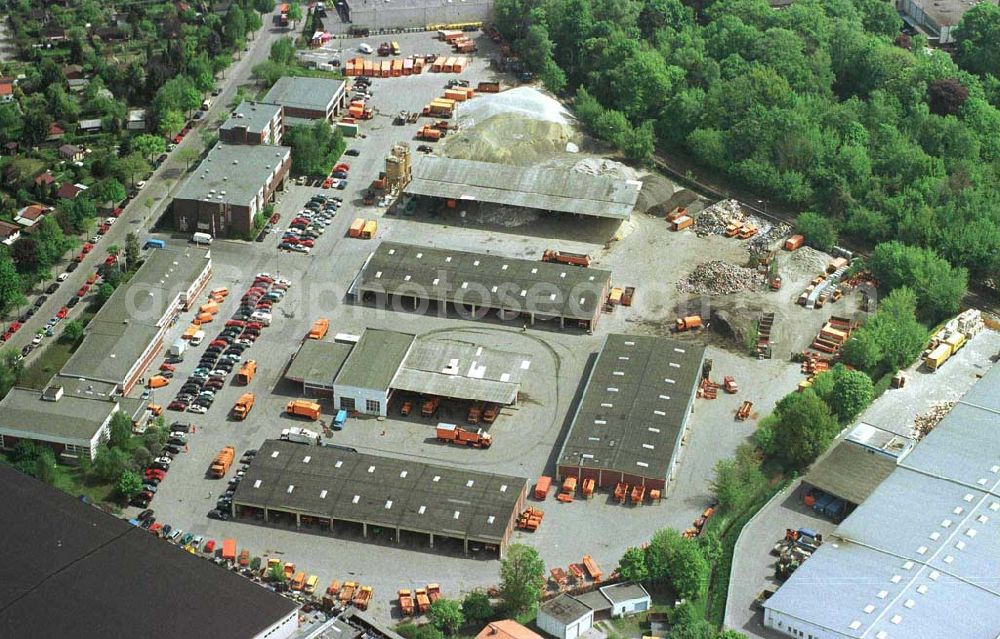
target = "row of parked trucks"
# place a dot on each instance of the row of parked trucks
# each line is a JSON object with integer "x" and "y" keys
{"x": 417, "y": 601}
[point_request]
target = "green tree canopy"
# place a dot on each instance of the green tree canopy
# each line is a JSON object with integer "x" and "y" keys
{"x": 477, "y": 608}
{"x": 804, "y": 429}
{"x": 128, "y": 484}
{"x": 632, "y": 565}
{"x": 522, "y": 578}
{"x": 672, "y": 557}
{"x": 446, "y": 615}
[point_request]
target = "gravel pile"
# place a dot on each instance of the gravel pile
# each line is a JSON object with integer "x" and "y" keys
{"x": 720, "y": 278}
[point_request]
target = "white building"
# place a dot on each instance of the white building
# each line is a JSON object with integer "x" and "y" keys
{"x": 565, "y": 617}
{"x": 364, "y": 383}
{"x": 627, "y": 599}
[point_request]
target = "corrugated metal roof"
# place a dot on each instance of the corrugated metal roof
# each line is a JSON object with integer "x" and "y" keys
{"x": 635, "y": 405}
{"x": 530, "y": 187}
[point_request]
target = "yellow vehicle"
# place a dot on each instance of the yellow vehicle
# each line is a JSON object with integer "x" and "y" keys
{"x": 311, "y": 584}
{"x": 395, "y": 48}
{"x": 299, "y": 582}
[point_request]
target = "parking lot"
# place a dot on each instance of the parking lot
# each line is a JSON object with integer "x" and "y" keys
{"x": 526, "y": 438}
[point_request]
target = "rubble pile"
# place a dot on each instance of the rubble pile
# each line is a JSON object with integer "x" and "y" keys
{"x": 720, "y": 278}
{"x": 714, "y": 219}
{"x": 925, "y": 422}
{"x": 767, "y": 234}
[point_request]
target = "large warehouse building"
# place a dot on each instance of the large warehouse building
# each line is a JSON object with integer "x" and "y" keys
{"x": 633, "y": 414}
{"x": 231, "y": 185}
{"x": 920, "y": 557}
{"x": 72, "y": 570}
{"x": 345, "y": 491}
{"x": 305, "y": 100}
{"x": 562, "y": 191}
{"x": 476, "y": 283}
{"x": 410, "y": 13}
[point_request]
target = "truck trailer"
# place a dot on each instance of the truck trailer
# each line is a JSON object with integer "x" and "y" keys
{"x": 457, "y": 435}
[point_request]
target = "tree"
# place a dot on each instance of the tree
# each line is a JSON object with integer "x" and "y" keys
{"x": 10, "y": 122}
{"x": 141, "y": 457}
{"x": 36, "y": 123}
{"x": 72, "y": 331}
{"x": 282, "y": 51}
{"x": 132, "y": 250}
{"x": 171, "y": 123}
{"x": 804, "y": 429}
{"x": 294, "y": 12}
{"x": 253, "y": 22}
{"x": 632, "y": 565}
{"x": 847, "y": 392}
{"x": 978, "y": 38}
{"x": 50, "y": 242}
{"x": 128, "y": 484}
{"x": 477, "y": 608}
{"x": 132, "y": 166}
{"x": 446, "y": 615}
{"x": 946, "y": 96}
{"x": 671, "y": 556}
{"x": 24, "y": 252}
{"x": 268, "y": 72}
{"x": 11, "y": 370}
{"x": 109, "y": 464}
{"x": 187, "y": 155}
{"x": 522, "y": 578}
{"x": 151, "y": 146}
{"x": 738, "y": 480}
{"x": 234, "y": 26}
{"x": 107, "y": 190}
{"x": 889, "y": 340}
{"x": 104, "y": 293}
{"x": 10, "y": 287}
{"x": 817, "y": 230}
{"x": 263, "y": 6}
{"x": 154, "y": 439}
{"x": 276, "y": 574}
{"x": 939, "y": 286}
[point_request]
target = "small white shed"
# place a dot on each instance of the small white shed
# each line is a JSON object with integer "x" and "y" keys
{"x": 564, "y": 617}
{"x": 627, "y": 599}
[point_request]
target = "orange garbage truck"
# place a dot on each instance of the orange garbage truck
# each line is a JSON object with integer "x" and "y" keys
{"x": 243, "y": 405}
{"x": 246, "y": 372}
{"x": 319, "y": 328}
{"x": 457, "y": 435}
{"x": 222, "y": 461}
{"x": 303, "y": 408}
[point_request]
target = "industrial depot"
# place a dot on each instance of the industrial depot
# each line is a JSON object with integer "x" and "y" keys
{"x": 411, "y": 319}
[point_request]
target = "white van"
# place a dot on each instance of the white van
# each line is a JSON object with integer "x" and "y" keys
{"x": 201, "y": 238}
{"x": 197, "y": 338}
{"x": 262, "y": 317}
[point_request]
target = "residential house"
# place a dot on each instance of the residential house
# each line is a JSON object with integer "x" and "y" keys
{"x": 936, "y": 18}
{"x": 565, "y": 617}
{"x": 9, "y": 233}
{"x": 89, "y": 125}
{"x": 627, "y": 598}
{"x": 53, "y": 33}
{"x": 111, "y": 34}
{"x": 45, "y": 179}
{"x": 73, "y": 71}
{"x": 31, "y": 214}
{"x": 71, "y": 152}
{"x": 136, "y": 120}
{"x": 506, "y": 629}
{"x": 70, "y": 191}
{"x": 55, "y": 132}
{"x": 6, "y": 90}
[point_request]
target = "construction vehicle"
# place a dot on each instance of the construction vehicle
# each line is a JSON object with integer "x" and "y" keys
{"x": 246, "y": 372}
{"x": 729, "y": 384}
{"x": 303, "y": 408}
{"x": 568, "y": 490}
{"x": 689, "y": 323}
{"x": 457, "y": 435}
{"x": 289, "y": 569}
{"x": 474, "y": 415}
{"x": 271, "y": 563}
{"x": 621, "y": 490}
{"x": 243, "y": 405}
{"x": 562, "y": 257}
{"x": 347, "y": 592}
{"x": 429, "y": 133}
{"x": 298, "y": 581}
{"x": 638, "y": 494}
{"x": 222, "y": 461}
{"x": 406, "y": 408}
{"x": 744, "y": 410}
{"x": 300, "y": 436}
{"x": 244, "y": 558}
{"x": 362, "y": 598}
{"x": 542, "y": 487}
{"x": 434, "y": 592}
{"x": 430, "y": 406}
{"x": 747, "y": 232}
{"x": 330, "y": 596}
{"x": 405, "y": 601}
{"x": 423, "y": 601}
{"x": 354, "y": 231}
{"x": 319, "y": 328}
{"x": 592, "y": 568}
{"x": 530, "y": 519}
{"x": 311, "y": 583}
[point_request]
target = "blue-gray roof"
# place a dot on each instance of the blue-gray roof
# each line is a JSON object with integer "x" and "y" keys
{"x": 920, "y": 558}
{"x": 233, "y": 173}
{"x": 252, "y": 116}
{"x": 304, "y": 93}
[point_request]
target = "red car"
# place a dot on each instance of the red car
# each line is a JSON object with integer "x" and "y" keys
{"x": 116, "y": 212}
{"x": 83, "y": 291}
{"x": 155, "y": 472}
{"x": 102, "y": 229}
{"x": 343, "y": 166}
{"x": 87, "y": 247}
{"x": 63, "y": 312}
{"x": 167, "y": 367}
{"x": 93, "y": 278}
{"x": 79, "y": 258}
{"x": 275, "y": 218}
{"x": 110, "y": 260}
{"x": 6, "y": 336}
{"x": 236, "y": 323}
{"x": 14, "y": 327}
{"x": 306, "y": 242}
{"x": 327, "y": 183}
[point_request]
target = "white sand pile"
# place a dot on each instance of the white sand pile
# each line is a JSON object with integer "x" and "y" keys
{"x": 605, "y": 167}
{"x": 519, "y": 127}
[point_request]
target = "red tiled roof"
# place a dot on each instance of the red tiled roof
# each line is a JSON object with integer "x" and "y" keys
{"x": 68, "y": 191}
{"x": 506, "y": 629}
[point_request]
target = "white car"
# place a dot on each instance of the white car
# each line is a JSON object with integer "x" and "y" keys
{"x": 95, "y": 239}
{"x": 364, "y": 47}
{"x": 140, "y": 184}
{"x": 37, "y": 339}
{"x": 111, "y": 220}
{"x": 298, "y": 248}
{"x": 163, "y": 460}
{"x": 282, "y": 281}
{"x": 267, "y": 275}
{"x": 197, "y": 410}
{"x": 63, "y": 277}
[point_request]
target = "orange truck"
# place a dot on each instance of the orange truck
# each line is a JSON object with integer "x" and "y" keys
{"x": 246, "y": 372}
{"x": 429, "y": 133}
{"x": 362, "y": 598}
{"x": 303, "y": 408}
{"x": 457, "y": 435}
{"x": 562, "y": 257}
{"x": 688, "y": 323}
{"x": 243, "y": 405}
{"x": 423, "y": 601}
{"x": 434, "y": 592}
{"x": 319, "y": 328}
{"x": 229, "y": 548}
{"x": 221, "y": 463}
{"x": 542, "y": 487}
{"x": 405, "y": 601}
{"x": 347, "y": 592}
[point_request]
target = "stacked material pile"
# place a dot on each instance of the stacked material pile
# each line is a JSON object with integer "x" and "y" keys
{"x": 767, "y": 234}
{"x": 721, "y": 278}
{"x": 925, "y": 422}
{"x": 714, "y": 219}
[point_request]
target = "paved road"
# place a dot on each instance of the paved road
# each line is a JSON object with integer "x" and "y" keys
{"x": 160, "y": 186}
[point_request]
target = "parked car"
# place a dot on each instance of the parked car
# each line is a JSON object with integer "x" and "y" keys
{"x": 218, "y": 514}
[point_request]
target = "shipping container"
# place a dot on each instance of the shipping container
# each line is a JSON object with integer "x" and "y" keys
{"x": 460, "y": 65}
{"x": 681, "y": 223}
{"x": 938, "y": 356}
{"x": 438, "y": 65}
{"x": 449, "y": 64}
{"x": 794, "y": 242}
{"x": 349, "y": 129}
{"x": 386, "y": 69}
{"x": 457, "y": 96}
{"x": 408, "y": 66}
{"x": 229, "y": 549}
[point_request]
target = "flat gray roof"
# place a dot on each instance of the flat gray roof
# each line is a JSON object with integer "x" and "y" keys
{"x": 233, "y": 173}
{"x": 565, "y": 609}
{"x": 850, "y": 472}
{"x": 459, "y": 369}
{"x": 486, "y": 280}
{"x": 23, "y": 412}
{"x": 252, "y": 116}
{"x": 634, "y": 406}
{"x": 565, "y": 191}
{"x": 616, "y": 593}
{"x": 375, "y": 359}
{"x": 116, "y": 337}
{"x": 943, "y": 12}
{"x": 318, "y": 362}
{"x": 304, "y": 93}
{"x": 341, "y": 484}
{"x": 923, "y": 550}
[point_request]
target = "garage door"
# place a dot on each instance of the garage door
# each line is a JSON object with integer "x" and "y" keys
{"x": 572, "y": 632}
